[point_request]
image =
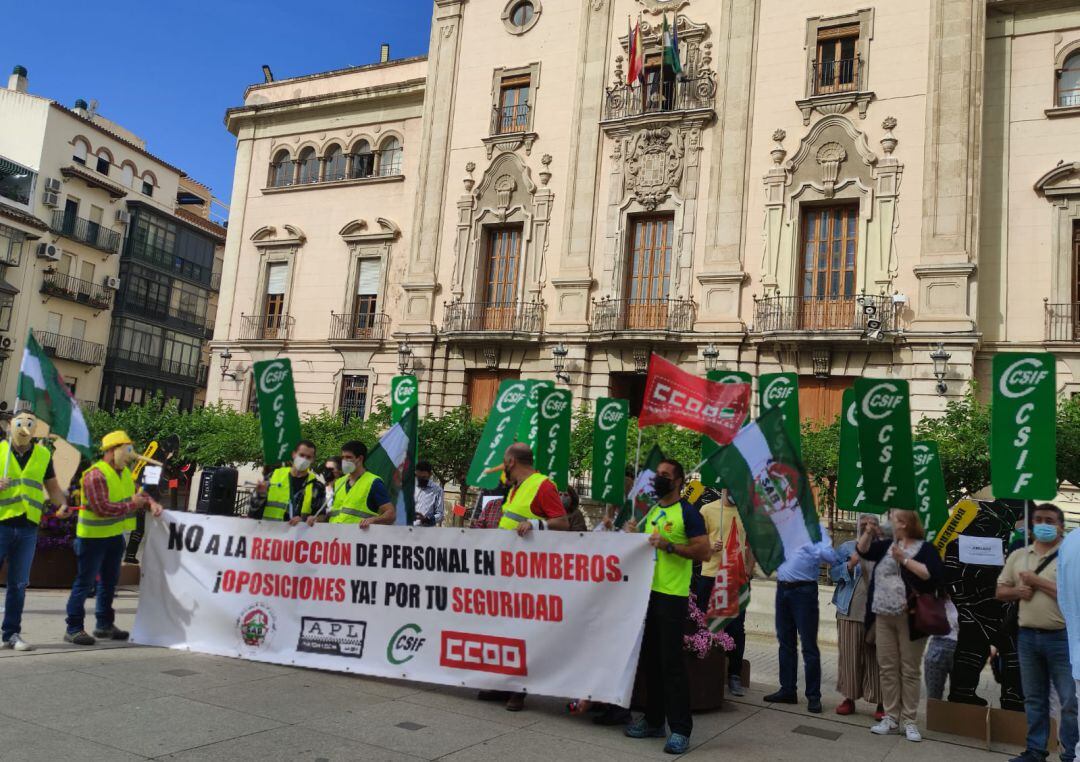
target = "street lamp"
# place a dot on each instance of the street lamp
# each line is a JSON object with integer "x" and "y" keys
{"x": 404, "y": 357}
{"x": 711, "y": 355}
{"x": 491, "y": 358}
{"x": 226, "y": 358}
{"x": 941, "y": 363}
{"x": 641, "y": 361}
{"x": 558, "y": 360}
{"x": 822, "y": 360}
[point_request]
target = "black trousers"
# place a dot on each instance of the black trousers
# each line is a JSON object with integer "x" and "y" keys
{"x": 666, "y": 683}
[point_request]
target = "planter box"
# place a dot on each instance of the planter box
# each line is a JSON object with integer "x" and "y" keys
{"x": 52, "y": 568}
{"x": 707, "y": 679}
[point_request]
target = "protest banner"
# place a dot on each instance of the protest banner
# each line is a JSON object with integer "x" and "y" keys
{"x": 529, "y": 426}
{"x": 499, "y": 431}
{"x": 850, "y": 495}
{"x": 553, "y": 440}
{"x": 1023, "y": 427}
{"x": 709, "y": 476}
{"x": 609, "y": 451}
{"x": 403, "y": 395}
{"x": 960, "y": 517}
{"x": 278, "y": 416}
{"x": 931, "y": 502}
{"x": 885, "y": 451}
{"x": 674, "y": 396}
{"x": 780, "y": 391}
{"x": 485, "y": 610}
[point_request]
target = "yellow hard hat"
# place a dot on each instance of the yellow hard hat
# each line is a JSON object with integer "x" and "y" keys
{"x": 115, "y": 439}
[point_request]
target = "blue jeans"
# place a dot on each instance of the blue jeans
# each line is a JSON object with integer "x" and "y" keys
{"x": 797, "y": 614}
{"x": 17, "y": 545}
{"x": 1044, "y": 659}
{"x": 96, "y": 558}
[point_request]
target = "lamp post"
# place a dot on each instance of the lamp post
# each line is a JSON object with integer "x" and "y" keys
{"x": 404, "y": 357}
{"x": 226, "y": 358}
{"x": 711, "y": 355}
{"x": 822, "y": 359}
{"x": 558, "y": 361}
{"x": 941, "y": 364}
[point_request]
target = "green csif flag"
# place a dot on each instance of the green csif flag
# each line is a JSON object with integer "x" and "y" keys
{"x": 529, "y": 427}
{"x": 708, "y": 446}
{"x": 609, "y": 450}
{"x": 780, "y": 391}
{"x": 932, "y": 505}
{"x": 403, "y": 395}
{"x": 278, "y": 415}
{"x": 553, "y": 440}
{"x": 888, "y": 463}
{"x": 499, "y": 432}
{"x": 392, "y": 461}
{"x": 1023, "y": 427}
{"x": 766, "y": 480}
{"x": 850, "y": 493}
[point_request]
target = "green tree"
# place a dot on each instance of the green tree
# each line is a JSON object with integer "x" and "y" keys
{"x": 821, "y": 457}
{"x": 1068, "y": 441}
{"x": 449, "y": 442}
{"x": 963, "y": 436}
{"x": 581, "y": 444}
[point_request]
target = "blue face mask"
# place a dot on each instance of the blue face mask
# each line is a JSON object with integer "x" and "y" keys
{"x": 1044, "y": 532}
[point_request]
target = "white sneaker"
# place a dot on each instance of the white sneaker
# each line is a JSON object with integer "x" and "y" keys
{"x": 911, "y": 731}
{"x": 16, "y": 642}
{"x": 886, "y": 727}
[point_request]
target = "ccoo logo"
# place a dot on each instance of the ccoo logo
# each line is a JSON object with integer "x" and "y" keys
{"x": 610, "y": 416}
{"x": 881, "y": 401}
{"x": 405, "y": 391}
{"x": 511, "y": 398}
{"x": 1021, "y": 378}
{"x": 777, "y": 392}
{"x": 273, "y": 376}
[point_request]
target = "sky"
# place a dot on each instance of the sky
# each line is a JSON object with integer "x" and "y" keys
{"x": 167, "y": 70}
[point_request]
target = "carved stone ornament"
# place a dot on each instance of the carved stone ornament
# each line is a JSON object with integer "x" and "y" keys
{"x": 663, "y": 6}
{"x": 504, "y": 190}
{"x": 545, "y": 173}
{"x": 654, "y": 165}
{"x": 888, "y": 143}
{"x": 778, "y": 152}
{"x": 830, "y": 156}
{"x": 468, "y": 180}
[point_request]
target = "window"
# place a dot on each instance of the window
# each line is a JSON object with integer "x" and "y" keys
{"x": 521, "y": 13}
{"x": 86, "y": 271}
{"x": 837, "y": 63}
{"x": 148, "y": 184}
{"x": 11, "y": 246}
{"x": 390, "y": 157}
{"x": 67, "y": 264}
{"x": 659, "y": 90}
{"x": 512, "y": 114}
{"x": 353, "y": 397}
{"x": 829, "y": 239}
{"x": 519, "y": 16}
{"x": 80, "y": 148}
{"x": 309, "y": 166}
{"x": 16, "y": 182}
{"x": 78, "y": 328}
{"x": 277, "y": 274}
{"x": 648, "y": 272}
{"x": 629, "y": 387}
{"x": 1076, "y": 262}
{"x": 136, "y": 342}
{"x": 54, "y": 322}
{"x": 482, "y": 387}
{"x": 335, "y": 164}
{"x": 499, "y": 290}
{"x": 103, "y": 161}
{"x": 147, "y": 291}
{"x": 93, "y": 227}
{"x": 363, "y": 160}
{"x": 367, "y": 297}
{"x": 281, "y": 170}
{"x": 71, "y": 214}
{"x": 127, "y": 176}
{"x": 181, "y": 354}
{"x": 1068, "y": 81}
{"x": 189, "y": 303}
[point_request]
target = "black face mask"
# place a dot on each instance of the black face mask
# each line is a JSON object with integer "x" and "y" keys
{"x": 661, "y": 485}
{"x": 422, "y": 483}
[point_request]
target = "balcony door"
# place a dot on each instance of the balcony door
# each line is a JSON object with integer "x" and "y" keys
{"x": 502, "y": 260}
{"x": 367, "y": 298}
{"x": 513, "y": 113}
{"x": 648, "y": 272}
{"x": 483, "y": 388}
{"x": 274, "y": 300}
{"x": 827, "y": 279}
{"x": 837, "y": 64}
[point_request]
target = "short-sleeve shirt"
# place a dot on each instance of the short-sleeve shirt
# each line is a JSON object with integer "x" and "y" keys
{"x": 378, "y": 496}
{"x": 1042, "y": 611}
{"x": 547, "y": 504}
{"x": 718, "y": 517}
{"x": 693, "y": 524}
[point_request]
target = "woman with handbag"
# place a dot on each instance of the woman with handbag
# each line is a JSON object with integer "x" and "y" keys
{"x": 904, "y": 609}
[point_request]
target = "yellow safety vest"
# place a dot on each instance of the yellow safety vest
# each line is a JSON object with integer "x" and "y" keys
{"x": 25, "y": 492}
{"x": 278, "y": 495}
{"x": 672, "y": 573}
{"x": 350, "y": 503}
{"x": 121, "y": 489}
{"x": 518, "y": 504}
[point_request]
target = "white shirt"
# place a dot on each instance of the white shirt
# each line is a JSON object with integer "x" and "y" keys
{"x": 1068, "y": 597}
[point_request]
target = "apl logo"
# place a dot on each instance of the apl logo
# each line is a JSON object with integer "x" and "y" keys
{"x": 611, "y": 415}
{"x": 256, "y": 625}
{"x": 273, "y": 376}
{"x": 511, "y": 398}
{"x": 405, "y": 391}
{"x": 554, "y": 404}
{"x": 404, "y": 644}
{"x": 923, "y": 456}
{"x": 1021, "y": 378}
{"x": 881, "y": 401}
{"x": 777, "y": 392}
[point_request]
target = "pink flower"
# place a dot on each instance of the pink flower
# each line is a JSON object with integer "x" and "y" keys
{"x": 703, "y": 640}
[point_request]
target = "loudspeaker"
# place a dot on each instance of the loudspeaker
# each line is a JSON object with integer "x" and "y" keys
{"x": 217, "y": 492}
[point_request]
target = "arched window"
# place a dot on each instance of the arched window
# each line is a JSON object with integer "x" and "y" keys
{"x": 335, "y": 164}
{"x": 104, "y": 160}
{"x": 1068, "y": 84}
{"x": 390, "y": 157}
{"x": 148, "y": 184}
{"x": 309, "y": 166}
{"x": 281, "y": 170}
{"x": 363, "y": 160}
{"x": 80, "y": 150}
{"x": 127, "y": 175}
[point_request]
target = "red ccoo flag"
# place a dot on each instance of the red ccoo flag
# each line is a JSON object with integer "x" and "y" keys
{"x": 675, "y": 396}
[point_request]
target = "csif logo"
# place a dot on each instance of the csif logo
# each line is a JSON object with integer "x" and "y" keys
{"x": 273, "y": 376}
{"x": 923, "y": 456}
{"x": 852, "y": 418}
{"x": 881, "y": 401}
{"x": 777, "y": 392}
{"x": 1020, "y": 379}
{"x": 610, "y": 416}
{"x": 553, "y": 405}
{"x": 511, "y": 398}
{"x": 405, "y": 391}
{"x": 405, "y": 644}
{"x": 731, "y": 379}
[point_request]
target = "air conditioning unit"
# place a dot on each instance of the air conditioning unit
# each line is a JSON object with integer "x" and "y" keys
{"x": 111, "y": 281}
{"x": 50, "y": 199}
{"x": 52, "y": 185}
{"x": 49, "y": 251}
{"x": 123, "y": 216}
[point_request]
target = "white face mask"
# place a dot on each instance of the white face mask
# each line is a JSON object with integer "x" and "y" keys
{"x": 300, "y": 463}
{"x": 348, "y": 466}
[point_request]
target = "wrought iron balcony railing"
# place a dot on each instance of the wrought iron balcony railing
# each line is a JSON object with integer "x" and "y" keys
{"x": 85, "y": 231}
{"x": 506, "y": 120}
{"x": 625, "y": 100}
{"x": 820, "y": 313}
{"x": 505, "y": 317}
{"x": 1062, "y": 321}
{"x": 672, "y": 315}
{"x": 840, "y": 75}
{"x": 70, "y": 348}
{"x": 266, "y": 327}
{"x": 359, "y": 326}
{"x": 55, "y": 283}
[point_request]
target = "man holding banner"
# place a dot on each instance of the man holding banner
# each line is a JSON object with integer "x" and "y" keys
{"x": 294, "y": 492}
{"x": 360, "y": 497}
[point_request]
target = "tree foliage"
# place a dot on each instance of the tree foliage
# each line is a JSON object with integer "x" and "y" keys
{"x": 821, "y": 456}
{"x": 963, "y": 439}
{"x": 448, "y": 442}
{"x": 678, "y": 443}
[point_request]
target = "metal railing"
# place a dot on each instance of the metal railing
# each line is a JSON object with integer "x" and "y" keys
{"x": 56, "y": 283}
{"x": 627, "y": 100}
{"x": 507, "y": 120}
{"x": 1062, "y": 321}
{"x": 186, "y": 322}
{"x": 359, "y": 326}
{"x": 507, "y": 317}
{"x": 70, "y": 348}
{"x": 88, "y": 406}
{"x": 203, "y": 375}
{"x": 266, "y": 327}
{"x": 841, "y": 75}
{"x": 7, "y": 307}
{"x": 1067, "y": 98}
{"x": 673, "y": 315}
{"x": 85, "y": 231}
{"x": 820, "y": 313}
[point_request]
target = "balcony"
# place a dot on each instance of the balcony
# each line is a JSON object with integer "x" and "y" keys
{"x": 664, "y": 314}
{"x": 265, "y": 327}
{"x": 85, "y": 231}
{"x": 1062, "y": 321}
{"x": 158, "y": 312}
{"x": 144, "y": 364}
{"x": 837, "y": 76}
{"x": 494, "y": 317}
{"x": 814, "y": 314}
{"x": 359, "y": 326}
{"x": 506, "y": 120}
{"x": 55, "y": 283}
{"x": 626, "y": 101}
{"x": 70, "y": 348}
{"x": 833, "y": 87}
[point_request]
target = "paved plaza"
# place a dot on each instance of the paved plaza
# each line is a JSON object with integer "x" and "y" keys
{"x": 124, "y": 702}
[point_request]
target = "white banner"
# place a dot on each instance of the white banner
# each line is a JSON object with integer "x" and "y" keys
{"x": 553, "y": 613}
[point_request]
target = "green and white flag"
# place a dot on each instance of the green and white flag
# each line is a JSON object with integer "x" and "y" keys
{"x": 1023, "y": 426}
{"x": 529, "y": 427}
{"x": 499, "y": 432}
{"x": 768, "y": 483}
{"x": 43, "y": 389}
{"x": 392, "y": 461}
{"x": 708, "y": 446}
{"x": 553, "y": 442}
{"x": 850, "y": 490}
{"x": 609, "y": 451}
{"x": 780, "y": 391}
{"x": 932, "y": 505}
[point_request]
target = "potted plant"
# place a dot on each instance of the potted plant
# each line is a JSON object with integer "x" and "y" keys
{"x": 54, "y": 559}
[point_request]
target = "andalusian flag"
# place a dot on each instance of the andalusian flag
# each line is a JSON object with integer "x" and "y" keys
{"x": 641, "y": 498}
{"x": 43, "y": 389}
{"x": 391, "y": 460}
{"x": 768, "y": 483}
{"x": 671, "y": 48}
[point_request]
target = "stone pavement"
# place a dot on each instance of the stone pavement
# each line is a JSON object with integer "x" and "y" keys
{"x": 123, "y": 702}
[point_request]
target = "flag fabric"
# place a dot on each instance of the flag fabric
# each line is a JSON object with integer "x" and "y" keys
{"x": 768, "y": 483}
{"x": 731, "y": 591}
{"x": 635, "y": 66}
{"x": 48, "y": 397}
{"x": 392, "y": 461}
{"x": 671, "y": 48}
{"x": 674, "y": 396}
{"x": 638, "y": 501}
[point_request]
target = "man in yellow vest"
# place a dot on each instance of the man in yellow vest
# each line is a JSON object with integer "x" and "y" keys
{"x": 678, "y": 533}
{"x": 27, "y": 473}
{"x": 360, "y": 497}
{"x": 110, "y": 502}
{"x": 293, "y": 493}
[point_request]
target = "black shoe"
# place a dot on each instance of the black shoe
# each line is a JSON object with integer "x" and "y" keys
{"x": 970, "y": 698}
{"x": 813, "y": 706}
{"x": 79, "y": 638}
{"x": 614, "y": 715}
{"x": 516, "y": 702}
{"x": 493, "y": 695}
{"x": 1029, "y": 756}
{"x": 131, "y": 560}
{"x": 112, "y": 633}
{"x": 781, "y": 698}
